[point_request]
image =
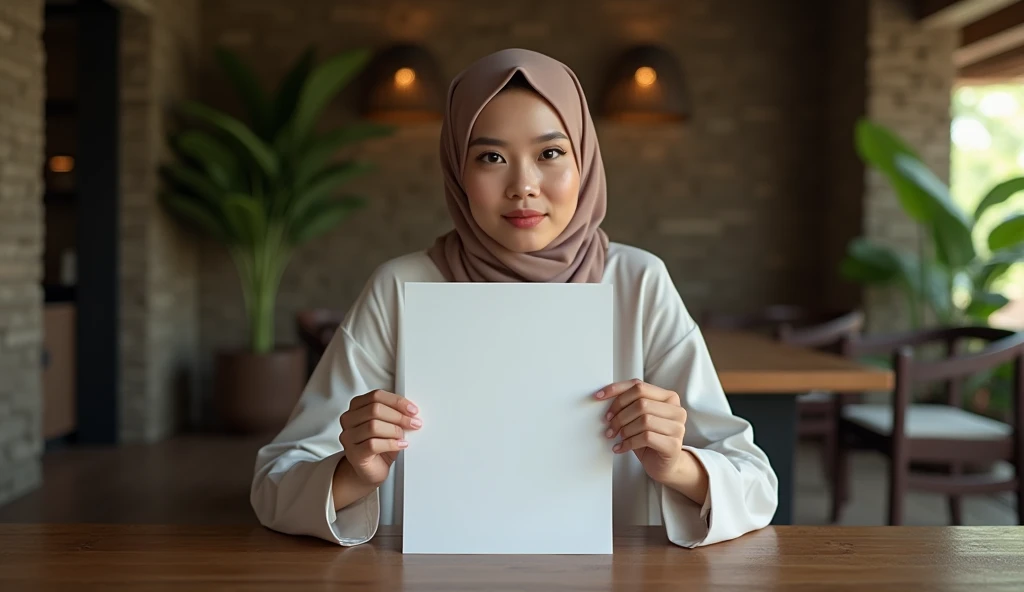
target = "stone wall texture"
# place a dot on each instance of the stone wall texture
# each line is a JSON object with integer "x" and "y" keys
{"x": 22, "y": 87}
{"x": 909, "y": 78}
{"x": 159, "y": 315}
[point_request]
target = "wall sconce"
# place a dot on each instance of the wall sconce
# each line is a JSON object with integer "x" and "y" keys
{"x": 403, "y": 85}
{"x": 62, "y": 164}
{"x": 645, "y": 84}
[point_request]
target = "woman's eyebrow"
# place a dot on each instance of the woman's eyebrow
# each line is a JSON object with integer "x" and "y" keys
{"x": 485, "y": 141}
{"x": 550, "y": 136}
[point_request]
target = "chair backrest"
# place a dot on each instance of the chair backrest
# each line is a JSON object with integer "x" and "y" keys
{"x": 316, "y": 328}
{"x": 831, "y": 335}
{"x": 1002, "y": 347}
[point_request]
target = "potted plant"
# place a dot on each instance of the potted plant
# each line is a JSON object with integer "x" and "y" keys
{"x": 946, "y": 280}
{"x": 261, "y": 188}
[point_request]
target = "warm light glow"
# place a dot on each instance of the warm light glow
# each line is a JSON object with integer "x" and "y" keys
{"x": 62, "y": 164}
{"x": 404, "y": 77}
{"x": 645, "y": 76}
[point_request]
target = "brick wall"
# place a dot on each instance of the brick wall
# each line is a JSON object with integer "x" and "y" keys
{"x": 159, "y": 324}
{"x": 22, "y": 83}
{"x": 137, "y": 187}
{"x": 727, "y": 199}
{"x": 909, "y": 79}
{"x": 173, "y": 257}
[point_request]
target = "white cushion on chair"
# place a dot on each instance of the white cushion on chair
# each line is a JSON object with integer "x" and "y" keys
{"x": 815, "y": 397}
{"x": 929, "y": 421}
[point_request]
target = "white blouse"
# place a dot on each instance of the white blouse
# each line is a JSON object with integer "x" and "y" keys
{"x": 656, "y": 340}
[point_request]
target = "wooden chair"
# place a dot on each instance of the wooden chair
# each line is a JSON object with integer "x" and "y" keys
{"x": 817, "y": 419}
{"x": 316, "y": 328}
{"x": 943, "y": 434}
{"x": 800, "y": 326}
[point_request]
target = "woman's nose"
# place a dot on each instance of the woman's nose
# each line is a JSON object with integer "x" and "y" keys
{"x": 525, "y": 183}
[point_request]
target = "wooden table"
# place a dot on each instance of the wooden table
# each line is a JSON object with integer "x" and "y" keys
{"x": 75, "y": 558}
{"x": 751, "y": 363}
{"x": 762, "y": 378}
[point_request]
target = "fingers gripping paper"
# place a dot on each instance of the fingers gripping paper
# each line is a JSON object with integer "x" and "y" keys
{"x": 511, "y": 457}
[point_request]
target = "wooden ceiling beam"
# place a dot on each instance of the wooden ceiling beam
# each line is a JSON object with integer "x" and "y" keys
{"x": 955, "y": 13}
{"x": 1001, "y": 68}
{"x": 991, "y": 36}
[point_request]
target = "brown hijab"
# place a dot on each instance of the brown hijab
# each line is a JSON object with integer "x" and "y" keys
{"x": 468, "y": 254}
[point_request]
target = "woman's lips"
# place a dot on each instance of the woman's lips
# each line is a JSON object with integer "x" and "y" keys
{"x": 524, "y": 218}
{"x": 525, "y": 221}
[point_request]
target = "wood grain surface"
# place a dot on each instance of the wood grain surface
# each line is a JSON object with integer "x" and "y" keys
{"x": 71, "y": 557}
{"x": 748, "y": 363}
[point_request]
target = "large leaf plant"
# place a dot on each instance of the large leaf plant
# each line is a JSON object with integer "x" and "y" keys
{"x": 264, "y": 186}
{"x": 946, "y": 280}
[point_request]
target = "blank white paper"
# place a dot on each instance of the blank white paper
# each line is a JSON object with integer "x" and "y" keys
{"x": 511, "y": 458}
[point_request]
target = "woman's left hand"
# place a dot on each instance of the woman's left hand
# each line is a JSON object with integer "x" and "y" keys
{"x": 651, "y": 423}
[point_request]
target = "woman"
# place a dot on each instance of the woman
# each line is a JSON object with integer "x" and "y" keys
{"x": 525, "y": 187}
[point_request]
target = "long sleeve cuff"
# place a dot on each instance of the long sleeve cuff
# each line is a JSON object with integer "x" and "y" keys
{"x": 686, "y": 523}
{"x": 736, "y": 503}
{"x": 357, "y": 522}
{"x": 299, "y": 500}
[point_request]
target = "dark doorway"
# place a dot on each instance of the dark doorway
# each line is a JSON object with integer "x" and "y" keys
{"x": 81, "y": 203}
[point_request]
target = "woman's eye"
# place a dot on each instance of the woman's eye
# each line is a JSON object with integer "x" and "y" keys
{"x": 552, "y": 153}
{"x": 490, "y": 157}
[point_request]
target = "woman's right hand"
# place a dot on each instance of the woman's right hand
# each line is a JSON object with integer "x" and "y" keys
{"x": 373, "y": 431}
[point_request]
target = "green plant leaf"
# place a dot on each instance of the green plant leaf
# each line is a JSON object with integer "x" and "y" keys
{"x": 321, "y": 218}
{"x": 997, "y": 266}
{"x": 998, "y": 195}
{"x": 287, "y": 96}
{"x": 323, "y": 186}
{"x": 323, "y": 83}
{"x": 247, "y": 217}
{"x": 186, "y": 178}
{"x": 246, "y": 86}
{"x": 877, "y": 361}
{"x": 256, "y": 148}
{"x": 983, "y": 304}
{"x": 321, "y": 149}
{"x": 197, "y": 214}
{"x": 870, "y": 263}
{"x": 209, "y": 153}
{"x": 989, "y": 273}
{"x": 1008, "y": 234}
{"x": 878, "y": 146}
{"x": 951, "y": 227}
{"x": 933, "y": 284}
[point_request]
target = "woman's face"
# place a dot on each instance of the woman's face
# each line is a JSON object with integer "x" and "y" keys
{"x": 520, "y": 173}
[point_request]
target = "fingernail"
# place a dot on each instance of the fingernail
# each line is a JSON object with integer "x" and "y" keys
{"x": 608, "y": 416}
{"x": 402, "y": 443}
{"x": 599, "y": 394}
{"x": 617, "y": 447}
{"x": 609, "y": 433}
{"x": 416, "y": 423}
{"x": 413, "y": 409}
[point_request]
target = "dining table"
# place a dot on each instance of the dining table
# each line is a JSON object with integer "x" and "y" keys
{"x": 81, "y": 557}
{"x": 762, "y": 378}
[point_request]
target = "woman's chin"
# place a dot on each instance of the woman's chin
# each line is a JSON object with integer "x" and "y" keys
{"x": 524, "y": 244}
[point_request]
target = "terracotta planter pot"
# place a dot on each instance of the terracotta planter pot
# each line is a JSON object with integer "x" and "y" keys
{"x": 255, "y": 393}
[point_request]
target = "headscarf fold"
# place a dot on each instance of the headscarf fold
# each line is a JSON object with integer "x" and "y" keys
{"x": 467, "y": 253}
